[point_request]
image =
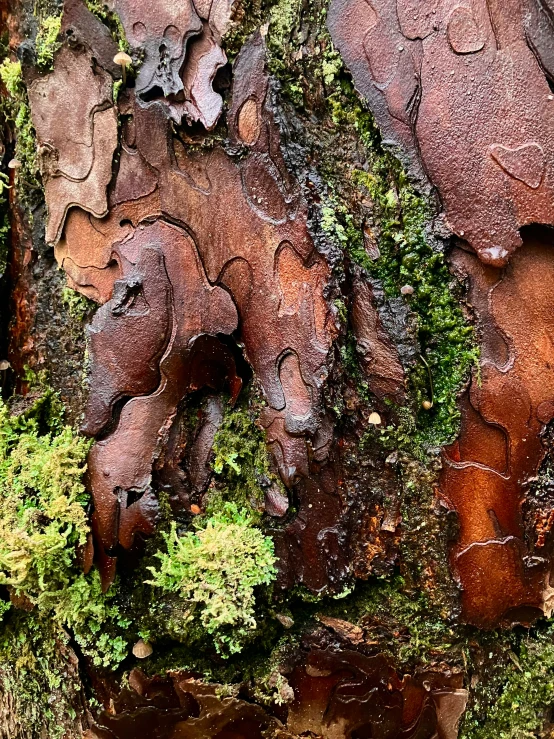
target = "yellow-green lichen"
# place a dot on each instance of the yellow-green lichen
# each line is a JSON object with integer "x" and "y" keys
{"x": 215, "y": 570}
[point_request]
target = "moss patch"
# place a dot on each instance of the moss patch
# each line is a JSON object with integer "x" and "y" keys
{"x": 215, "y": 570}
{"x": 47, "y": 43}
{"x": 17, "y": 112}
{"x": 44, "y": 522}
{"x": 516, "y": 702}
{"x": 241, "y": 461}
{"x": 111, "y": 20}
{"x": 78, "y": 306}
{"x": 370, "y": 190}
{"x": 4, "y": 222}
{"x": 446, "y": 340}
{"x": 39, "y": 681}
{"x": 42, "y": 503}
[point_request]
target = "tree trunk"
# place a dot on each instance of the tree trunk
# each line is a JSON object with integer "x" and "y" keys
{"x": 277, "y": 368}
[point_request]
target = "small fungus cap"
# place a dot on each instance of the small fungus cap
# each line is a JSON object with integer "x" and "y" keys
{"x": 122, "y": 59}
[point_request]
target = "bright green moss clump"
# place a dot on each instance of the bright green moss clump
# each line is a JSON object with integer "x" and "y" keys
{"x": 46, "y": 42}
{"x": 241, "y": 460}
{"x": 215, "y": 569}
{"x": 43, "y": 522}
{"x": 42, "y": 498}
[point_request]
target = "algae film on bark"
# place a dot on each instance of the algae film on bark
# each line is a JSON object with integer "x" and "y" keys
{"x": 276, "y": 369}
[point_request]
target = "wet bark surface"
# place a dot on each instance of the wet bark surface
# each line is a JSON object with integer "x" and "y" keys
{"x": 289, "y": 269}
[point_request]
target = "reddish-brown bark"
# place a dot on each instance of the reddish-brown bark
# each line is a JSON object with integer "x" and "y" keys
{"x": 463, "y": 89}
{"x": 338, "y": 691}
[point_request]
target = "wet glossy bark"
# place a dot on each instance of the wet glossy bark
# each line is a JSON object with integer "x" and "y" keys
{"x": 204, "y": 255}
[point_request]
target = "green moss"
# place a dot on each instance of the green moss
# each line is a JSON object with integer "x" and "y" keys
{"x": 78, "y": 306}
{"x": 311, "y": 73}
{"x": 407, "y": 257}
{"x": 4, "y": 223}
{"x": 42, "y": 505}
{"x": 43, "y": 522}
{"x": 282, "y": 39}
{"x": 241, "y": 460}
{"x": 284, "y": 18}
{"x": 39, "y": 677}
{"x": 516, "y": 703}
{"x": 47, "y": 43}
{"x": 11, "y": 75}
{"x": 511, "y": 672}
{"x": 111, "y": 20}
{"x": 15, "y": 107}
{"x": 215, "y": 570}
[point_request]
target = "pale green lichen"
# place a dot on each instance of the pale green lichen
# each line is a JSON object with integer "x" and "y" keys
{"x": 215, "y": 570}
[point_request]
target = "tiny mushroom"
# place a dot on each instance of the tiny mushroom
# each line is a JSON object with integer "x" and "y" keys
{"x": 427, "y": 405}
{"x": 407, "y": 290}
{"x": 142, "y": 649}
{"x": 195, "y": 509}
{"x": 123, "y": 60}
{"x": 374, "y": 418}
{"x": 4, "y": 365}
{"x": 14, "y": 164}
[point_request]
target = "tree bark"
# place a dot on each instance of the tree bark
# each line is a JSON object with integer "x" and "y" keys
{"x": 277, "y": 369}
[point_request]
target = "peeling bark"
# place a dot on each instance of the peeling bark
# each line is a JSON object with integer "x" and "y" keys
{"x": 258, "y": 377}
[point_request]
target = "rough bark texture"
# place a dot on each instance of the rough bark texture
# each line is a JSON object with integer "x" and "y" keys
{"x": 281, "y": 274}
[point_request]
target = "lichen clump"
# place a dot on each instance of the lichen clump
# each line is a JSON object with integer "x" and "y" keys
{"x": 216, "y": 569}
